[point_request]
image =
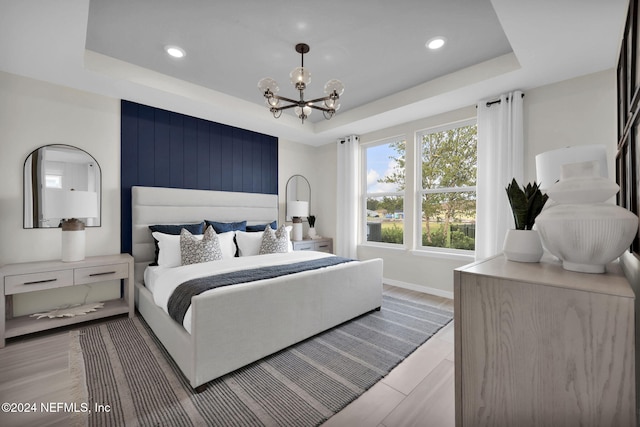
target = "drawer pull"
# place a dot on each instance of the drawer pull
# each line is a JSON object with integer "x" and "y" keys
{"x": 102, "y": 274}
{"x": 323, "y": 246}
{"x": 35, "y": 282}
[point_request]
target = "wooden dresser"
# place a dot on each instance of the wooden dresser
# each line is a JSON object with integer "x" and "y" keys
{"x": 536, "y": 345}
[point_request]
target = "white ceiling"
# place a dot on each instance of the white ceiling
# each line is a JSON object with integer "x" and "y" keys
{"x": 115, "y": 48}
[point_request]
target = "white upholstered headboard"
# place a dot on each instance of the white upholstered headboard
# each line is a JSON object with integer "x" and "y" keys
{"x": 157, "y": 205}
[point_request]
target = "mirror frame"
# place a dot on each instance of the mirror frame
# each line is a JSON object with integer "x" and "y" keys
{"x": 29, "y": 190}
{"x": 287, "y": 217}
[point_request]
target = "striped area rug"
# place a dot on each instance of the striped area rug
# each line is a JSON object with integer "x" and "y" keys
{"x": 127, "y": 369}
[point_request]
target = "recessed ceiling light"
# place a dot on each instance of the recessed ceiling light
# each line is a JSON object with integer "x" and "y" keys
{"x": 175, "y": 51}
{"x": 436, "y": 43}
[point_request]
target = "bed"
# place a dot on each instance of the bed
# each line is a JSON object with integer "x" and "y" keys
{"x": 232, "y": 326}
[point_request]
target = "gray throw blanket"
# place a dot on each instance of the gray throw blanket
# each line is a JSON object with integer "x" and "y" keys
{"x": 180, "y": 300}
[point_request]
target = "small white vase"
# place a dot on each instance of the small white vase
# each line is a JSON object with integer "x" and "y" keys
{"x": 312, "y": 232}
{"x": 522, "y": 246}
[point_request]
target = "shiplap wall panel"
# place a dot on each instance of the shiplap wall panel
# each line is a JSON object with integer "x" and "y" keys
{"x": 165, "y": 149}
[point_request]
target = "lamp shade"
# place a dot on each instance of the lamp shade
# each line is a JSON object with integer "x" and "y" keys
{"x": 70, "y": 204}
{"x": 298, "y": 208}
{"x": 549, "y": 164}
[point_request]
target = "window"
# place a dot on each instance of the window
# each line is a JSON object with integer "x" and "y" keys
{"x": 447, "y": 164}
{"x": 627, "y": 156}
{"x": 384, "y": 194}
{"x": 53, "y": 181}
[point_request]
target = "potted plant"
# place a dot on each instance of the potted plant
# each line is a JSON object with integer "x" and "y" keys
{"x": 523, "y": 243}
{"x": 312, "y": 226}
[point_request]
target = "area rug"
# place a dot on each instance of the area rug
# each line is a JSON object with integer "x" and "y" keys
{"x": 129, "y": 379}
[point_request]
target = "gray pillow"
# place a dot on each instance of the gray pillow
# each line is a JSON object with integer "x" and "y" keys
{"x": 274, "y": 242}
{"x": 193, "y": 251}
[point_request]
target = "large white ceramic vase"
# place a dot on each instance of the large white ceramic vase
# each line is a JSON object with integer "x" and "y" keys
{"x": 578, "y": 227}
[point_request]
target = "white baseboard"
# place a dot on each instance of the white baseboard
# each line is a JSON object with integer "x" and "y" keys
{"x": 418, "y": 288}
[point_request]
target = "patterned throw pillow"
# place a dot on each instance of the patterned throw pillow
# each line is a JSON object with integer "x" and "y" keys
{"x": 274, "y": 242}
{"x": 193, "y": 251}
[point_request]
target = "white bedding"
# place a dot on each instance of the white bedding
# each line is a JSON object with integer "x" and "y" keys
{"x": 162, "y": 281}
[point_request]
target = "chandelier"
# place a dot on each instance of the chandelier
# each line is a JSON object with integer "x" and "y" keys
{"x": 300, "y": 78}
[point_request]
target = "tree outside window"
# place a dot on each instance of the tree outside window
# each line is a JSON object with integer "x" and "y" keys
{"x": 448, "y": 163}
{"x": 384, "y": 196}
{"x": 449, "y": 166}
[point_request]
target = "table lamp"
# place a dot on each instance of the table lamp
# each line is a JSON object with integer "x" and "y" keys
{"x": 69, "y": 205}
{"x": 296, "y": 210}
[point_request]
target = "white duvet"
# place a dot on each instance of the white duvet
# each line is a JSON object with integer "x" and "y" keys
{"x": 161, "y": 281}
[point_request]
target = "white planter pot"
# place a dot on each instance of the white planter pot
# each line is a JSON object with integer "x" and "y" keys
{"x": 312, "y": 232}
{"x": 522, "y": 246}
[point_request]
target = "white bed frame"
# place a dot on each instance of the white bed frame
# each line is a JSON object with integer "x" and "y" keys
{"x": 237, "y": 325}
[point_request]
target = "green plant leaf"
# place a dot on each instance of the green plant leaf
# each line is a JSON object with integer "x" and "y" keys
{"x": 526, "y": 203}
{"x": 518, "y": 202}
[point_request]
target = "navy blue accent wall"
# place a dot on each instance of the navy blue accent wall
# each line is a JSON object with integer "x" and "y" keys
{"x": 161, "y": 148}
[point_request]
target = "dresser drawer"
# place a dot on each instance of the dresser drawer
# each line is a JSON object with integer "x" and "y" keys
{"x": 31, "y": 282}
{"x": 100, "y": 273}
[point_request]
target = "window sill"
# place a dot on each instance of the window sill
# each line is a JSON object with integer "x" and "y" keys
{"x": 384, "y": 246}
{"x": 458, "y": 256}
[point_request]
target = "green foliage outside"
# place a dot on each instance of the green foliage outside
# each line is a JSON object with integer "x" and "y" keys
{"x": 455, "y": 239}
{"x": 460, "y": 236}
{"x": 392, "y": 234}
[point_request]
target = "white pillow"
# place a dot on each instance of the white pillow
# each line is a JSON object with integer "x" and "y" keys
{"x": 249, "y": 242}
{"x": 169, "y": 247}
{"x": 227, "y": 244}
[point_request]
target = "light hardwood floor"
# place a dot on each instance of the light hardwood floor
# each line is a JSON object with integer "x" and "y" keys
{"x": 418, "y": 392}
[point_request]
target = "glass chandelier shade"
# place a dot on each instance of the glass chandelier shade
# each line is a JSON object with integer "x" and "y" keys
{"x": 300, "y": 77}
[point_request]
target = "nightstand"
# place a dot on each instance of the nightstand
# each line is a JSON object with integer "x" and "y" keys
{"x": 38, "y": 276}
{"x": 324, "y": 244}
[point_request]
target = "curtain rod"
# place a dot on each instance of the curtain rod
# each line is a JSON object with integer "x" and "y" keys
{"x": 497, "y": 101}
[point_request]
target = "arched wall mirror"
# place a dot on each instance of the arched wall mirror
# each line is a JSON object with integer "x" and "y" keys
{"x": 298, "y": 189}
{"x": 61, "y": 182}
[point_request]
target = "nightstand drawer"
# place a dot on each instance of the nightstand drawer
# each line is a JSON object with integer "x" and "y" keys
{"x": 100, "y": 273}
{"x": 304, "y": 246}
{"x": 325, "y": 246}
{"x": 37, "y": 281}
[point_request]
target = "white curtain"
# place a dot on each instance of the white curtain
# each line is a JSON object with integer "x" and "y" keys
{"x": 500, "y": 159}
{"x": 347, "y": 197}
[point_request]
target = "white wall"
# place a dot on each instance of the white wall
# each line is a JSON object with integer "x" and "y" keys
{"x": 32, "y": 114}
{"x": 318, "y": 165}
{"x": 579, "y": 111}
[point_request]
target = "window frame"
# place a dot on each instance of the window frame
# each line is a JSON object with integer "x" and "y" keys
{"x": 421, "y": 192}
{"x": 365, "y": 195}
